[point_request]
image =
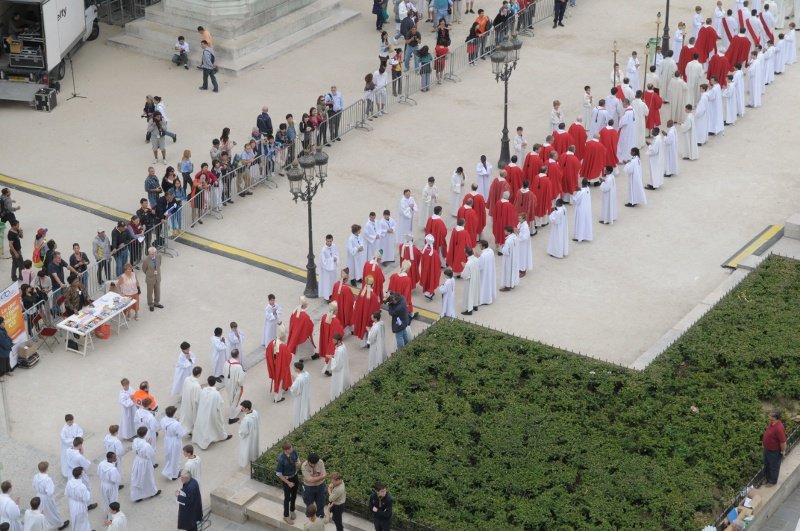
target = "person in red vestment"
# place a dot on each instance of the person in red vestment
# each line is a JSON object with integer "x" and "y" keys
{"x": 530, "y": 168}
{"x": 654, "y": 102}
{"x": 594, "y": 160}
{"x": 686, "y": 55}
{"x": 525, "y": 203}
{"x": 719, "y": 67}
{"x": 431, "y": 268}
{"x": 279, "y": 361}
{"x": 400, "y": 283}
{"x": 329, "y": 326}
{"x": 479, "y": 205}
{"x": 578, "y": 133}
{"x": 504, "y": 214}
{"x": 301, "y": 329}
{"x": 562, "y": 139}
{"x": 438, "y": 229}
{"x": 367, "y": 303}
{"x": 345, "y": 300}
{"x": 410, "y": 253}
{"x": 546, "y": 148}
{"x": 706, "y": 41}
{"x": 513, "y": 176}
{"x": 555, "y": 174}
{"x": 544, "y": 195}
{"x": 470, "y": 220}
{"x": 459, "y": 241}
{"x": 609, "y": 137}
{"x": 739, "y": 48}
{"x": 496, "y": 190}
{"x": 570, "y": 169}
{"x": 373, "y": 269}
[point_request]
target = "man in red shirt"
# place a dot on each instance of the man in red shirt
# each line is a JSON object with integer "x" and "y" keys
{"x": 774, "y": 443}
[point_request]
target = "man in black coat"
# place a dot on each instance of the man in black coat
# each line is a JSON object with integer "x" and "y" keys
{"x": 190, "y": 505}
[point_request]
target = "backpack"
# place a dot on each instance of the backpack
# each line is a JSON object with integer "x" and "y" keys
{"x": 37, "y": 257}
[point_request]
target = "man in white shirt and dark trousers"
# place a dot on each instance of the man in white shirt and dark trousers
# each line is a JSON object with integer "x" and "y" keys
{"x": 335, "y": 103}
{"x": 209, "y": 66}
{"x": 181, "y": 56}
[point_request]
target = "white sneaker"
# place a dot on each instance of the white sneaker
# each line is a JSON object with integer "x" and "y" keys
{"x": 155, "y": 161}
{"x": 385, "y": 111}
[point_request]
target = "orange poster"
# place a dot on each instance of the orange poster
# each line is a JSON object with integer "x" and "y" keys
{"x": 13, "y": 314}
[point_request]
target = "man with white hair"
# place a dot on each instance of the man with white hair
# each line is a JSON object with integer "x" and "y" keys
{"x": 301, "y": 332}
{"x": 234, "y": 385}
{"x": 190, "y": 504}
{"x": 151, "y": 267}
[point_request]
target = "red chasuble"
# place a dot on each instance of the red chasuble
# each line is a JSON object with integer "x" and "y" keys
{"x": 470, "y": 223}
{"x": 279, "y": 358}
{"x": 555, "y": 174}
{"x": 431, "y": 269}
{"x": 343, "y": 296}
{"x": 738, "y": 51}
{"x": 301, "y": 328}
{"x": 367, "y": 303}
{"x": 545, "y": 193}
{"x": 578, "y": 134}
{"x": 411, "y": 253}
{"x": 594, "y": 161}
{"x": 562, "y": 140}
{"x": 374, "y": 270}
{"x": 513, "y": 178}
{"x": 526, "y": 202}
{"x": 719, "y": 66}
{"x": 437, "y": 228}
{"x": 496, "y": 190}
{"x": 653, "y": 102}
{"x": 533, "y": 163}
{"x": 706, "y": 43}
{"x": 504, "y": 214}
{"x": 687, "y": 54}
{"x": 456, "y": 255}
{"x": 544, "y": 151}
{"x": 327, "y": 329}
{"x": 570, "y": 168}
{"x": 609, "y": 137}
{"x": 401, "y": 283}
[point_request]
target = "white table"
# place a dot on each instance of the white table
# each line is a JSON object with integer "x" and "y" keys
{"x": 107, "y": 308}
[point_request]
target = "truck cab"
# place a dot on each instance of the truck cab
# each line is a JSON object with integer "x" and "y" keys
{"x": 37, "y": 38}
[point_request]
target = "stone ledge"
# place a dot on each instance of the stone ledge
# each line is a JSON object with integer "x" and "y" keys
{"x": 791, "y": 228}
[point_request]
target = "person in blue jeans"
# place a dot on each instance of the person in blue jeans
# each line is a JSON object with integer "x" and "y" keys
{"x": 209, "y": 66}
{"x": 286, "y": 470}
{"x": 314, "y": 490}
{"x": 398, "y": 310}
{"x": 120, "y": 238}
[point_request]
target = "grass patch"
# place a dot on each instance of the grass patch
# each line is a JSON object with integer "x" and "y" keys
{"x": 475, "y": 429}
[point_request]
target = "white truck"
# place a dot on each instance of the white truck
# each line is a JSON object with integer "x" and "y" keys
{"x": 37, "y": 37}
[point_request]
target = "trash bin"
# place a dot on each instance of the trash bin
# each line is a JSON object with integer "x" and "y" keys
{"x": 103, "y": 331}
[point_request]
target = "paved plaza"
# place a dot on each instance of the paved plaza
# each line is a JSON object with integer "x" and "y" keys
{"x": 611, "y": 298}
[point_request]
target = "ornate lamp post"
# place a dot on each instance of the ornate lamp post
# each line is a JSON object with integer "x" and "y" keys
{"x": 304, "y": 181}
{"x": 665, "y": 38}
{"x": 615, "y": 51}
{"x": 504, "y": 61}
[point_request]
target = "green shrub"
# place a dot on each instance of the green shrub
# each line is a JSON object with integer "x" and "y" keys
{"x": 475, "y": 429}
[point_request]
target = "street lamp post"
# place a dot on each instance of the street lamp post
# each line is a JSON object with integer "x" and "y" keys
{"x": 665, "y": 38}
{"x": 304, "y": 181}
{"x": 614, "y": 50}
{"x": 504, "y": 61}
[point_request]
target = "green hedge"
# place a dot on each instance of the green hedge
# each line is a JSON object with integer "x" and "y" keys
{"x": 475, "y": 429}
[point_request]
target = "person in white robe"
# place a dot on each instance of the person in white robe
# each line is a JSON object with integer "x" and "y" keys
{"x": 183, "y": 368}
{"x": 668, "y": 69}
{"x": 716, "y": 120}
{"x": 272, "y": 316}
{"x": 677, "y": 39}
{"x": 656, "y": 157}
{"x": 670, "y": 150}
{"x": 408, "y": 211}
{"x": 608, "y": 187}
{"x": 586, "y": 107}
{"x": 678, "y": 94}
{"x": 488, "y": 274}
{"x": 79, "y": 498}
{"x": 68, "y": 433}
{"x": 483, "y": 172}
{"x": 739, "y": 84}
{"x": 719, "y": 14}
{"x": 34, "y": 520}
{"x": 248, "y": 435}
{"x": 371, "y": 235}
{"x": 791, "y": 37}
{"x": 234, "y": 386}
{"x": 599, "y": 119}
{"x": 127, "y": 410}
{"x": 45, "y": 489}
{"x": 430, "y": 198}
{"x": 376, "y": 338}
{"x": 701, "y": 116}
{"x": 755, "y": 80}
{"x": 627, "y": 132}
{"x": 219, "y": 352}
{"x": 193, "y": 463}
{"x": 143, "y": 481}
{"x": 173, "y": 436}
{"x": 520, "y": 147}
{"x": 146, "y": 418}
{"x": 328, "y": 268}
{"x": 388, "y": 229}
{"x": 780, "y": 54}
{"x": 118, "y": 520}
{"x": 729, "y": 102}
{"x": 641, "y": 111}
{"x": 689, "y": 136}
{"x": 110, "y": 480}
{"x": 356, "y": 255}
{"x": 301, "y": 391}
{"x": 697, "y": 22}
{"x": 472, "y": 290}
{"x": 340, "y": 368}
{"x": 632, "y": 71}
{"x": 633, "y": 169}
{"x": 732, "y": 21}
{"x": 524, "y": 245}
{"x": 209, "y": 426}
{"x": 234, "y": 339}
{"x": 76, "y": 459}
{"x": 556, "y": 117}
{"x": 769, "y": 64}
{"x": 448, "y": 292}
{"x": 9, "y": 510}
{"x": 111, "y": 443}
{"x": 614, "y": 108}
{"x": 582, "y": 225}
{"x": 558, "y": 244}
{"x": 190, "y": 396}
{"x": 694, "y": 78}
{"x": 510, "y": 263}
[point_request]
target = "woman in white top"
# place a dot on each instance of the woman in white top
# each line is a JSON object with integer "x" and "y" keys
{"x": 128, "y": 285}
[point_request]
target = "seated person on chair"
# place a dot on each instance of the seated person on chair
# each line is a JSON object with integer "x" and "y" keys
{"x": 75, "y": 297}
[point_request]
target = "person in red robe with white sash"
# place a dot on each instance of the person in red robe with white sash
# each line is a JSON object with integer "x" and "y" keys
{"x": 401, "y": 284}
{"x": 410, "y": 253}
{"x": 718, "y": 66}
{"x": 544, "y": 198}
{"x": 578, "y": 133}
{"x": 438, "y": 229}
{"x": 279, "y": 360}
{"x": 373, "y": 269}
{"x": 456, "y": 253}
{"x": 739, "y": 49}
{"x": 554, "y": 172}
{"x": 562, "y": 139}
{"x": 329, "y": 326}
{"x": 496, "y": 190}
{"x": 687, "y": 54}
{"x": 706, "y": 42}
{"x": 525, "y": 203}
{"x": 367, "y": 303}
{"x": 546, "y": 148}
{"x": 470, "y": 221}
{"x": 654, "y": 102}
{"x": 530, "y": 168}
{"x": 431, "y": 271}
{"x": 594, "y": 160}
{"x": 513, "y": 176}
{"x": 609, "y": 137}
{"x": 345, "y": 300}
{"x": 479, "y": 205}
{"x": 504, "y": 215}
{"x": 301, "y": 330}
{"x": 570, "y": 171}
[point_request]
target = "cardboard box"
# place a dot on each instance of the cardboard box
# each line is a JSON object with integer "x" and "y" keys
{"x": 26, "y": 349}
{"x": 15, "y": 46}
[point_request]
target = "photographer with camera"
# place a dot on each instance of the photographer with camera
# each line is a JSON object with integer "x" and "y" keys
{"x": 398, "y": 310}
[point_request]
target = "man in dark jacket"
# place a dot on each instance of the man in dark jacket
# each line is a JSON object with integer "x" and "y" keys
{"x": 120, "y": 238}
{"x": 264, "y": 122}
{"x": 380, "y": 503}
{"x": 398, "y": 310}
{"x": 6, "y": 344}
{"x": 190, "y": 505}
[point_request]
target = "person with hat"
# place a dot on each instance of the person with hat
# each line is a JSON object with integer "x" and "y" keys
{"x": 120, "y": 238}
{"x": 39, "y": 248}
{"x": 75, "y": 298}
{"x": 101, "y": 249}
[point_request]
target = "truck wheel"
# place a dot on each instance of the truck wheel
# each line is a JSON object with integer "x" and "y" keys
{"x": 60, "y": 71}
{"x": 95, "y": 31}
